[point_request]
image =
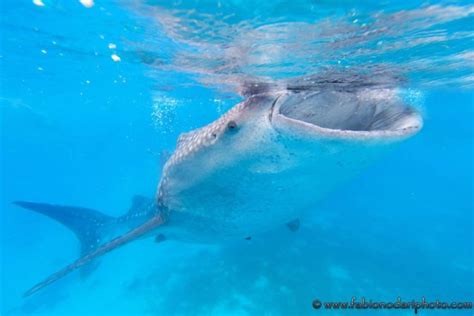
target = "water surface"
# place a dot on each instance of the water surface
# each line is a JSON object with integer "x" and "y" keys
{"x": 92, "y": 94}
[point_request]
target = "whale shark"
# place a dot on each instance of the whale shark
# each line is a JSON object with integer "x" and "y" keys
{"x": 263, "y": 163}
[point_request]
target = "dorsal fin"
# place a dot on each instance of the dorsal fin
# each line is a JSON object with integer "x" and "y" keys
{"x": 139, "y": 201}
{"x": 140, "y": 205}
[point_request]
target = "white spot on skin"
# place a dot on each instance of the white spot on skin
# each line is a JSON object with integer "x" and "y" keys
{"x": 44, "y": 51}
{"x": 38, "y": 3}
{"x": 112, "y": 46}
{"x": 115, "y": 58}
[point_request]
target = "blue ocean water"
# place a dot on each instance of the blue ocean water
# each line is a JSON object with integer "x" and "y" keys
{"x": 93, "y": 94}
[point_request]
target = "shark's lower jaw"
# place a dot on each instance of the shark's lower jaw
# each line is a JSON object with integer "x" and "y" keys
{"x": 365, "y": 114}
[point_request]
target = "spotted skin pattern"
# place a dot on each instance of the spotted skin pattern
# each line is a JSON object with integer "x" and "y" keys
{"x": 255, "y": 168}
{"x": 190, "y": 143}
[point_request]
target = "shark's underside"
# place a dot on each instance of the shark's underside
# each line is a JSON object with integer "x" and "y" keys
{"x": 259, "y": 165}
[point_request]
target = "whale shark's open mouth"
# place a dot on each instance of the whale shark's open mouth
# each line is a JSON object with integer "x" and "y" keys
{"x": 360, "y": 114}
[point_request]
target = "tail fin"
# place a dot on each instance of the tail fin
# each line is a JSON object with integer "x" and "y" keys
{"x": 111, "y": 245}
{"x": 86, "y": 223}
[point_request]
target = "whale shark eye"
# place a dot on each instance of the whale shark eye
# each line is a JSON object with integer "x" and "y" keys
{"x": 232, "y": 125}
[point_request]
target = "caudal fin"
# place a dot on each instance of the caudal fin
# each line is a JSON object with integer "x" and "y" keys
{"x": 115, "y": 243}
{"x": 87, "y": 224}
